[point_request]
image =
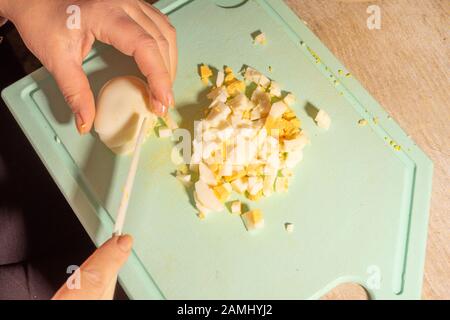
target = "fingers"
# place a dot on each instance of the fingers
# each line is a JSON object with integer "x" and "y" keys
{"x": 132, "y": 39}
{"x": 152, "y": 29}
{"x": 99, "y": 271}
{"x": 168, "y": 32}
{"x": 74, "y": 85}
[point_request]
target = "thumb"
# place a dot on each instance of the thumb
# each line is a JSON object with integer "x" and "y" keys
{"x": 99, "y": 270}
{"x": 74, "y": 86}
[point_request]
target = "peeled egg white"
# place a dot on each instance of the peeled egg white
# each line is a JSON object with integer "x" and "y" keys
{"x": 121, "y": 107}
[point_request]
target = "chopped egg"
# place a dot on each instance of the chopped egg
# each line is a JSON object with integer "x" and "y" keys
{"x": 205, "y": 73}
{"x": 201, "y": 208}
{"x": 252, "y": 75}
{"x": 206, "y": 197}
{"x": 268, "y": 185}
{"x": 323, "y": 120}
{"x": 248, "y": 143}
{"x": 261, "y": 38}
{"x": 362, "y": 122}
{"x": 264, "y": 82}
{"x": 219, "y": 94}
{"x": 236, "y": 207}
{"x": 255, "y": 185}
{"x": 235, "y": 87}
{"x": 218, "y": 114}
{"x": 182, "y": 169}
{"x": 226, "y": 170}
{"x": 277, "y": 110}
{"x": 229, "y": 77}
{"x": 293, "y": 158}
{"x": 164, "y": 132}
{"x": 206, "y": 175}
{"x": 228, "y": 70}
{"x": 201, "y": 215}
{"x": 240, "y": 185}
{"x": 184, "y": 178}
{"x": 289, "y": 227}
{"x": 220, "y": 79}
{"x": 281, "y": 184}
{"x": 223, "y": 191}
{"x": 275, "y": 89}
{"x": 253, "y": 219}
{"x": 286, "y": 172}
{"x": 289, "y": 99}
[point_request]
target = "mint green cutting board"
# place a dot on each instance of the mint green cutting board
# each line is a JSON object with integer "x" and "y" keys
{"x": 359, "y": 206}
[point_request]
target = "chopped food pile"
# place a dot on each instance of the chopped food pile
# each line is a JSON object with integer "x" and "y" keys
{"x": 248, "y": 142}
{"x": 260, "y": 38}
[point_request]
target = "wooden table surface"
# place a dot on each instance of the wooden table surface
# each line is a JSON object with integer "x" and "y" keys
{"x": 406, "y": 66}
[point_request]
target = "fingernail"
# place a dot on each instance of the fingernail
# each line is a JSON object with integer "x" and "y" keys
{"x": 125, "y": 243}
{"x": 164, "y": 110}
{"x": 81, "y": 126}
{"x": 159, "y": 108}
{"x": 170, "y": 100}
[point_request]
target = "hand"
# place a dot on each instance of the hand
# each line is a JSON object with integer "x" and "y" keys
{"x": 132, "y": 26}
{"x": 98, "y": 274}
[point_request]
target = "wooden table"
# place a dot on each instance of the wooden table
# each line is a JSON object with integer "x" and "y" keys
{"x": 405, "y": 65}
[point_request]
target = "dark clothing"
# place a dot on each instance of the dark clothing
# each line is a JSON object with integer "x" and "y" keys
{"x": 40, "y": 235}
